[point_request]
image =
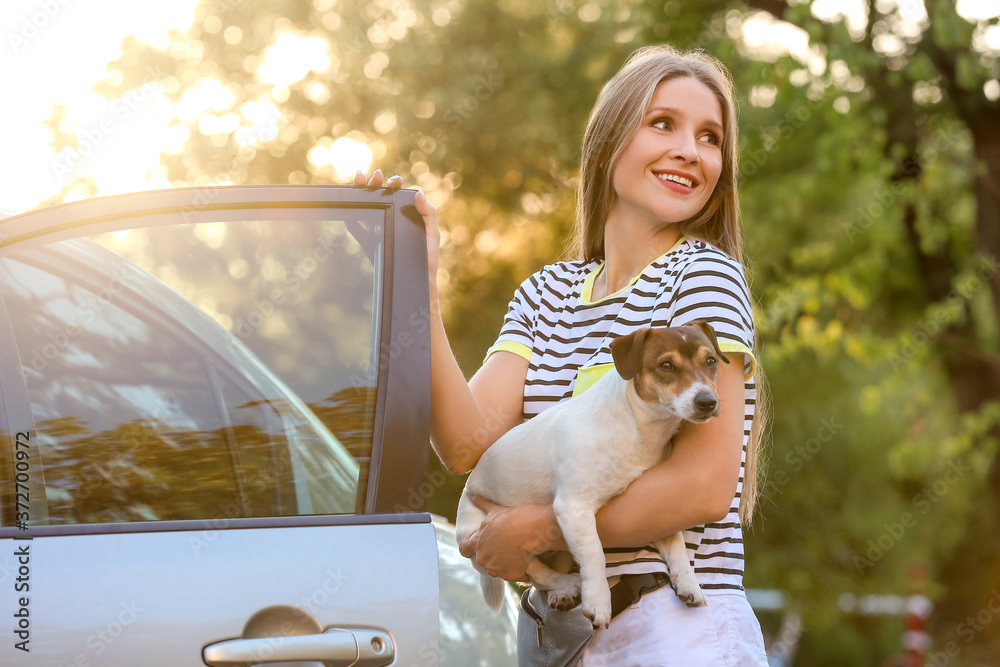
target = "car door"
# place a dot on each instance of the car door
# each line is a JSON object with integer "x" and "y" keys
{"x": 214, "y": 408}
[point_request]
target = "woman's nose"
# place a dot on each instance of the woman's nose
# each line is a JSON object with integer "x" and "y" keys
{"x": 685, "y": 147}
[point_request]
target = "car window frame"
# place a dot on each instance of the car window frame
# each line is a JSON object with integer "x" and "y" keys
{"x": 400, "y": 443}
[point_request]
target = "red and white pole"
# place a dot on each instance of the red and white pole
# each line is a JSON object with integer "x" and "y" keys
{"x": 918, "y": 607}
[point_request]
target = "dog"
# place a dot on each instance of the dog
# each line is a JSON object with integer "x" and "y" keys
{"x": 580, "y": 453}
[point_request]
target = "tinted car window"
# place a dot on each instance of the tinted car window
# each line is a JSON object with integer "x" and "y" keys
{"x": 194, "y": 371}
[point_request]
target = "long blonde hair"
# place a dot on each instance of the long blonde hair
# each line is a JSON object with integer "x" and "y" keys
{"x": 614, "y": 120}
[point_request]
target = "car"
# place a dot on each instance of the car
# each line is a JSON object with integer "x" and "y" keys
{"x": 215, "y": 404}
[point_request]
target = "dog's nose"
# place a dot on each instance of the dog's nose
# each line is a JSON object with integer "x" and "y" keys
{"x": 706, "y": 402}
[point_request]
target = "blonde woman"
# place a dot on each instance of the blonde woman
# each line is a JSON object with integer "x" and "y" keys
{"x": 659, "y": 243}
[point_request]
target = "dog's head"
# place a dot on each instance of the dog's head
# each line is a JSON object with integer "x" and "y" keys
{"x": 676, "y": 367}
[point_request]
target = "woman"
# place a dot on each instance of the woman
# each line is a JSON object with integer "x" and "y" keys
{"x": 659, "y": 241}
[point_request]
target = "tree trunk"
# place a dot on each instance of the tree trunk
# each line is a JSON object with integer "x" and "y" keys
{"x": 971, "y": 573}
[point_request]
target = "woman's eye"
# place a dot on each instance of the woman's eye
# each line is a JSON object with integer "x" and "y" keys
{"x": 661, "y": 124}
{"x": 712, "y": 139}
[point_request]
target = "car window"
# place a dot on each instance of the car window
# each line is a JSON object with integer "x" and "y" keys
{"x": 201, "y": 370}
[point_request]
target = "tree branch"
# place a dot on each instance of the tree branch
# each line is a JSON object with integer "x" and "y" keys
{"x": 776, "y": 8}
{"x": 943, "y": 61}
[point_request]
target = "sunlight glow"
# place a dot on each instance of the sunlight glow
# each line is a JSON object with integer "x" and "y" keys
{"x": 212, "y": 234}
{"x": 118, "y": 142}
{"x": 767, "y": 38}
{"x": 206, "y": 94}
{"x": 58, "y": 63}
{"x": 973, "y": 10}
{"x": 345, "y": 155}
{"x": 852, "y": 10}
{"x": 992, "y": 90}
{"x": 912, "y": 11}
{"x": 291, "y": 58}
{"x": 164, "y": 17}
{"x": 987, "y": 40}
{"x": 264, "y": 118}
{"x": 763, "y": 96}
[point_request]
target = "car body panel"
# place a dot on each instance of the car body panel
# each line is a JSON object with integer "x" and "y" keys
{"x": 160, "y": 597}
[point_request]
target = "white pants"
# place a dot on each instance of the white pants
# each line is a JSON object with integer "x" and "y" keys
{"x": 662, "y": 631}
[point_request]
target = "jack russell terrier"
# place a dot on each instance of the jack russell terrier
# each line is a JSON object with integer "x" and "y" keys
{"x": 580, "y": 453}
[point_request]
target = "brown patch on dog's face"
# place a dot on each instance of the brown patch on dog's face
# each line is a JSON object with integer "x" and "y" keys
{"x": 680, "y": 367}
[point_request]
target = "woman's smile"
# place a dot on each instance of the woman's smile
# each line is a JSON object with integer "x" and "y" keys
{"x": 677, "y": 180}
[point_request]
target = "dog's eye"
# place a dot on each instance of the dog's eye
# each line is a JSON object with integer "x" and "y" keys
{"x": 710, "y": 362}
{"x": 667, "y": 366}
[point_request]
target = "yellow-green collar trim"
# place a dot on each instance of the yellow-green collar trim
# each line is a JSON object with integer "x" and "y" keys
{"x": 588, "y": 283}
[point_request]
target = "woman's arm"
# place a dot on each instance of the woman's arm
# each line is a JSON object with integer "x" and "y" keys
{"x": 694, "y": 486}
{"x": 466, "y": 417}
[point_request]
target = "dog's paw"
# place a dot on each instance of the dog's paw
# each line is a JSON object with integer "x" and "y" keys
{"x": 563, "y": 601}
{"x": 597, "y": 607}
{"x": 688, "y": 591}
{"x": 566, "y": 593}
{"x": 599, "y": 618}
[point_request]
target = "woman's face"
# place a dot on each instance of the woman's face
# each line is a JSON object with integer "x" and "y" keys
{"x": 671, "y": 166}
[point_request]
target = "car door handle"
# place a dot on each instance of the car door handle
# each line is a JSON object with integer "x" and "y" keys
{"x": 337, "y": 647}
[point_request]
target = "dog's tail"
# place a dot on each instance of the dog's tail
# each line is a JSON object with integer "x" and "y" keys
{"x": 492, "y": 590}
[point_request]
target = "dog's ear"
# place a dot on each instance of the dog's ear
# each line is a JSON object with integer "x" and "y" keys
{"x": 709, "y": 332}
{"x": 627, "y": 353}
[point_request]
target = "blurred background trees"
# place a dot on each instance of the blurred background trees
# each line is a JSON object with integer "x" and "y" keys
{"x": 870, "y": 184}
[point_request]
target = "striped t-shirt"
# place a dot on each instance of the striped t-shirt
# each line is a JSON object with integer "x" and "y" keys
{"x": 565, "y": 335}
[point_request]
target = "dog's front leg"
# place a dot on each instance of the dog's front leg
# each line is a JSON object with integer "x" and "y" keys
{"x": 682, "y": 577}
{"x": 579, "y": 526}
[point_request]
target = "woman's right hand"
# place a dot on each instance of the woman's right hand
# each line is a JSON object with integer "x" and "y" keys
{"x": 426, "y": 211}
{"x": 466, "y": 416}
{"x": 509, "y": 537}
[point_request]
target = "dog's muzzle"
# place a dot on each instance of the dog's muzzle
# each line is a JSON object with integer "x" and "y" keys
{"x": 706, "y": 404}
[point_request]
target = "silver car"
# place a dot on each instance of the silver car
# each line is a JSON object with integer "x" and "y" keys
{"x": 214, "y": 405}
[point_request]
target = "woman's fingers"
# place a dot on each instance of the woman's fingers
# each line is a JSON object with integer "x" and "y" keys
{"x": 498, "y": 545}
{"x": 376, "y": 180}
{"x": 480, "y": 502}
{"x": 424, "y": 207}
{"x": 467, "y": 547}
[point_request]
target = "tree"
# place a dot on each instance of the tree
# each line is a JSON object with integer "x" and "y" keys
{"x": 928, "y": 96}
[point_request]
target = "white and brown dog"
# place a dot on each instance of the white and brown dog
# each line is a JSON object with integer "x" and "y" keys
{"x": 579, "y": 454}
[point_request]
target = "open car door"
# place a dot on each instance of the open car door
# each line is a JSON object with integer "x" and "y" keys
{"x": 214, "y": 410}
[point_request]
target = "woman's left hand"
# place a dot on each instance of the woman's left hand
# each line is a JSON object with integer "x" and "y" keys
{"x": 510, "y": 537}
